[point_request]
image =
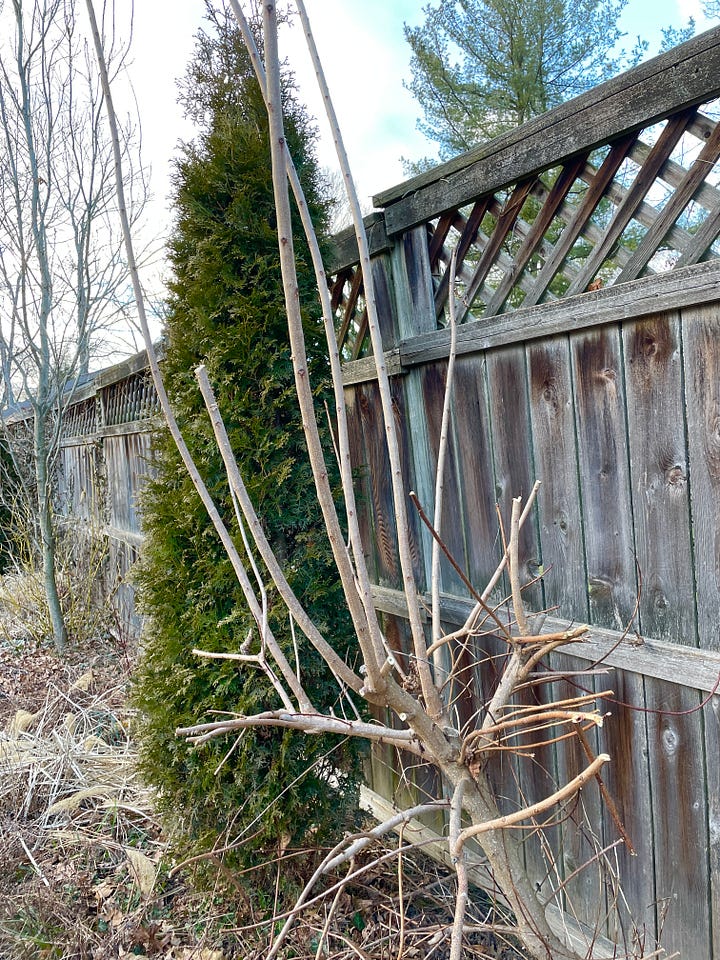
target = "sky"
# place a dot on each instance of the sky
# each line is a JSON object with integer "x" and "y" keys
{"x": 366, "y": 59}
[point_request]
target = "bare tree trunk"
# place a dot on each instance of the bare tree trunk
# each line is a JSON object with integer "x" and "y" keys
{"x": 47, "y": 534}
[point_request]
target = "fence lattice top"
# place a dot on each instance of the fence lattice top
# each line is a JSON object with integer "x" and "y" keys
{"x": 636, "y": 194}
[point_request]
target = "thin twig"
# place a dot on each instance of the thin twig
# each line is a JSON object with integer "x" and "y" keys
{"x": 530, "y": 811}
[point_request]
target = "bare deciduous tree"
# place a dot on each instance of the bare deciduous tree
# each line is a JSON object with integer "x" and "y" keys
{"x": 63, "y": 275}
{"x": 415, "y": 692}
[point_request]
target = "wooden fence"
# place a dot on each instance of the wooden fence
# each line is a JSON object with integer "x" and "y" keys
{"x": 105, "y": 456}
{"x": 588, "y": 358}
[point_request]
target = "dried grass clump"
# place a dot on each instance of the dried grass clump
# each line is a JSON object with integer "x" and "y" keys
{"x": 73, "y": 820}
{"x": 81, "y": 569}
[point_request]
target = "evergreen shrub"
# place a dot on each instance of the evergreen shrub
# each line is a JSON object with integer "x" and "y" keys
{"x": 226, "y": 310}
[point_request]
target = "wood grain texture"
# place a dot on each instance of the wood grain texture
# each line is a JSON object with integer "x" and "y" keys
{"x": 412, "y": 286}
{"x": 384, "y": 300}
{"x": 361, "y": 479}
{"x": 680, "y": 817}
{"x": 474, "y": 452}
{"x": 344, "y": 251}
{"x": 627, "y": 777}
{"x": 701, "y": 358}
{"x": 711, "y": 717}
{"x": 695, "y": 669}
{"x": 659, "y": 478}
{"x": 581, "y": 823}
{"x": 556, "y": 466}
{"x": 690, "y": 286}
{"x": 512, "y": 455}
{"x": 382, "y": 515}
{"x": 432, "y": 385}
{"x": 604, "y": 479}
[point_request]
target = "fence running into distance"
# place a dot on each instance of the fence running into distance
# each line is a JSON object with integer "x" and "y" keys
{"x": 105, "y": 456}
{"x": 588, "y": 358}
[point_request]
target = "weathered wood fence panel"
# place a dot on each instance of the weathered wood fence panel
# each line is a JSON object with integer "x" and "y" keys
{"x": 609, "y": 395}
{"x": 105, "y": 457}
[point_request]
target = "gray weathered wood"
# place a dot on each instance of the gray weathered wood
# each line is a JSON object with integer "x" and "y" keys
{"x": 413, "y": 290}
{"x": 534, "y": 237}
{"x": 711, "y": 717}
{"x": 690, "y": 286}
{"x": 556, "y": 467}
{"x": 627, "y": 777}
{"x": 604, "y": 481}
{"x": 687, "y": 75}
{"x": 365, "y": 369}
{"x": 506, "y": 219}
{"x": 623, "y": 214}
{"x": 701, "y": 358}
{"x": 512, "y": 453}
{"x": 679, "y": 806}
{"x": 672, "y": 209}
{"x": 472, "y": 432}
{"x": 579, "y": 220}
{"x": 344, "y": 251}
{"x": 696, "y": 669}
{"x": 659, "y": 478}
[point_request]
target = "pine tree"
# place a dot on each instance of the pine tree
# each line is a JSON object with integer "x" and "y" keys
{"x": 481, "y": 67}
{"x": 226, "y": 310}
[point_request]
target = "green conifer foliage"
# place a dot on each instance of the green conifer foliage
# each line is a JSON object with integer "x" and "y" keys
{"x": 226, "y": 310}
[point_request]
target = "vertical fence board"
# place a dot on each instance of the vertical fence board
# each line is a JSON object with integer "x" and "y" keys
{"x": 361, "y": 478}
{"x": 679, "y": 804}
{"x": 712, "y": 753}
{"x": 565, "y": 587}
{"x": 514, "y": 476}
{"x": 658, "y": 464}
{"x": 383, "y": 516}
{"x": 602, "y": 450}
{"x": 701, "y": 362}
{"x": 472, "y": 431}
{"x": 412, "y": 286}
{"x": 701, "y": 358}
{"x": 512, "y": 453}
{"x": 433, "y": 379}
{"x": 553, "y": 430}
{"x": 609, "y": 549}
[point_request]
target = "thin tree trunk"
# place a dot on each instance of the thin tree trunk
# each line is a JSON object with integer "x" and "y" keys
{"x": 47, "y": 535}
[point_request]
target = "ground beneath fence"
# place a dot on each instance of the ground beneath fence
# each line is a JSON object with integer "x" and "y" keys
{"x": 84, "y": 860}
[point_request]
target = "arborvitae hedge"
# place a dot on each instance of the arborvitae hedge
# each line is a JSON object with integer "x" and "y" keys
{"x": 226, "y": 310}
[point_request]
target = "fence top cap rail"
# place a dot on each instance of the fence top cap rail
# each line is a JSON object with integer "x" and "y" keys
{"x": 685, "y": 76}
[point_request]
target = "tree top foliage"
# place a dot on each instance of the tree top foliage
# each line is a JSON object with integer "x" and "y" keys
{"x": 481, "y": 67}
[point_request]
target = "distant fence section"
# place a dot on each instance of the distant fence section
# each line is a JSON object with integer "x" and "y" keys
{"x": 105, "y": 457}
{"x": 588, "y": 281}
